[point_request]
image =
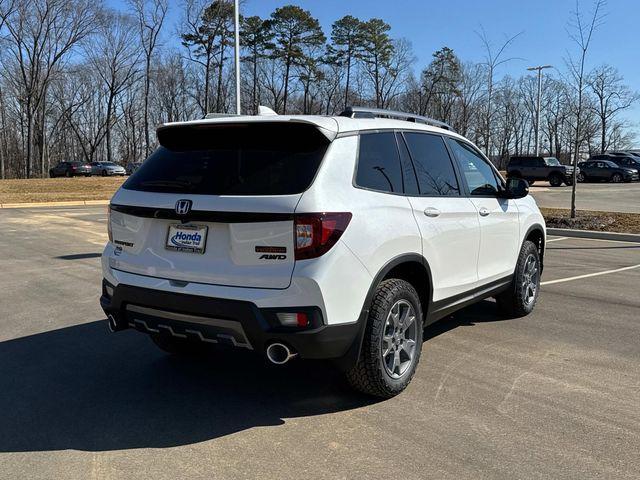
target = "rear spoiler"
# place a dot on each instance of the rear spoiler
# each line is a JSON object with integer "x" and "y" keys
{"x": 189, "y": 135}
{"x": 325, "y": 125}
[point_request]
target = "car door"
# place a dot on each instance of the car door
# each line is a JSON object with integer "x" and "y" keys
{"x": 448, "y": 221}
{"x": 61, "y": 168}
{"x": 498, "y": 217}
{"x": 601, "y": 171}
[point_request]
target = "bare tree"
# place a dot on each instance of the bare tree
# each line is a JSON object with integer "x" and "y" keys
{"x": 115, "y": 56}
{"x": 150, "y": 15}
{"x": 492, "y": 60}
{"x": 611, "y": 95}
{"x": 581, "y": 32}
{"x": 41, "y": 34}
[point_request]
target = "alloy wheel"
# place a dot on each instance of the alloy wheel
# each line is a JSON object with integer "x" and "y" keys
{"x": 399, "y": 339}
{"x": 530, "y": 280}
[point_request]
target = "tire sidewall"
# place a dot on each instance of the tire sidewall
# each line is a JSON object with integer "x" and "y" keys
{"x": 527, "y": 249}
{"x": 378, "y": 318}
{"x": 555, "y": 180}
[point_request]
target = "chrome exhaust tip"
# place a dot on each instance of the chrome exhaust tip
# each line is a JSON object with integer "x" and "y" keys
{"x": 114, "y": 326}
{"x": 279, "y": 353}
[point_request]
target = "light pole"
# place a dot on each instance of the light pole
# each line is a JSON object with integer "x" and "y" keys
{"x": 237, "y": 52}
{"x": 539, "y": 69}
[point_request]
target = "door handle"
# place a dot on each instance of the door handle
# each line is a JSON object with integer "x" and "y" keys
{"x": 484, "y": 211}
{"x": 431, "y": 212}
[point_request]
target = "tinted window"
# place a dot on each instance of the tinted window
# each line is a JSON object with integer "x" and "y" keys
{"x": 434, "y": 169}
{"x": 477, "y": 172}
{"x": 408, "y": 171}
{"x": 233, "y": 159}
{"x": 515, "y": 162}
{"x": 379, "y": 163}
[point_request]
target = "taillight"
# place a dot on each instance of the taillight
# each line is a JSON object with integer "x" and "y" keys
{"x": 109, "y": 232}
{"x": 316, "y": 233}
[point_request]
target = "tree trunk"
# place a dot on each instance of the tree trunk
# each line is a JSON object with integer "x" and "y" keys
{"x": 147, "y": 80}
{"x": 254, "y": 96}
{"x": 346, "y": 88}
{"x": 286, "y": 87}
{"x": 207, "y": 72}
{"x": 108, "y": 127}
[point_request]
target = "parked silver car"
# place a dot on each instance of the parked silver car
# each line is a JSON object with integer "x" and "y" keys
{"x": 107, "y": 169}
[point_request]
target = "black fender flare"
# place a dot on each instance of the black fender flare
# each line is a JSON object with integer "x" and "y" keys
{"x": 351, "y": 357}
{"x": 540, "y": 228}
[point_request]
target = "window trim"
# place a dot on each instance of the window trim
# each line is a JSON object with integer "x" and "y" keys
{"x": 354, "y": 182}
{"x": 456, "y": 173}
{"x": 499, "y": 180}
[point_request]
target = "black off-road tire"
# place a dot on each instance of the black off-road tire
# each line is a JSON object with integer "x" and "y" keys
{"x": 369, "y": 375}
{"x": 555, "y": 180}
{"x": 512, "y": 302}
{"x": 582, "y": 178}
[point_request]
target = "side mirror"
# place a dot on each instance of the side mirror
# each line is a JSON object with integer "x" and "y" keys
{"x": 516, "y": 188}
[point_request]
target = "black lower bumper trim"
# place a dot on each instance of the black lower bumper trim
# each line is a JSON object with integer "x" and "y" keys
{"x": 216, "y": 320}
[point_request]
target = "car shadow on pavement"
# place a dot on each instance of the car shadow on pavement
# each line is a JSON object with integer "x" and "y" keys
{"x": 86, "y": 389}
{"x": 485, "y": 311}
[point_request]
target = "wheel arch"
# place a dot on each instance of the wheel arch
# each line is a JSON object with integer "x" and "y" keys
{"x": 410, "y": 267}
{"x": 536, "y": 234}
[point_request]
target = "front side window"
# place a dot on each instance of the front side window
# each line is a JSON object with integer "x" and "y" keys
{"x": 379, "y": 163}
{"x": 552, "y": 162}
{"x": 475, "y": 169}
{"x": 434, "y": 169}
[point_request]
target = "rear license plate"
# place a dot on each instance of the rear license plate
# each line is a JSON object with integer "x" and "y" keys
{"x": 187, "y": 238}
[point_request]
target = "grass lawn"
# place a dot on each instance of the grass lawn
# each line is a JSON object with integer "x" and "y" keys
{"x": 102, "y": 188}
{"x": 588, "y": 220}
{"x": 58, "y": 189}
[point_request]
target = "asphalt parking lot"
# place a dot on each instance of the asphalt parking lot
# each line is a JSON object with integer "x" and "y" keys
{"x": 606, "y": 197}
{"x": 553, "y": 395}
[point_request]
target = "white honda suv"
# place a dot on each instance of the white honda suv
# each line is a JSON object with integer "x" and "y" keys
{"x": 318, "y": 238}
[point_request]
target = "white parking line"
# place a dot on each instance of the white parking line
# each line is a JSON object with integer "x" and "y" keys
{"x": 557, "y": 239}
{"x": 588, "y": 275}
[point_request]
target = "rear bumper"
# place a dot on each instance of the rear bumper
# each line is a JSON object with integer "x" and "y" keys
{"x": 221, "y": 321}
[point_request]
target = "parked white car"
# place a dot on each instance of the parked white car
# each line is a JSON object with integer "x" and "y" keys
{"x": 107, "y": 169}
{"x": 318, "y": 238}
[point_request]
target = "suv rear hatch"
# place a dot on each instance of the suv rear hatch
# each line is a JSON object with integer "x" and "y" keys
{"x": 215, "y": 203}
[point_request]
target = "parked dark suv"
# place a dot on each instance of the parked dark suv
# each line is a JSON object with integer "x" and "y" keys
{"x": 624, "y": 160}
{"x": 533, "y": 168}
{"x": 70, "y": 169}
{"x": 605, "y": 170}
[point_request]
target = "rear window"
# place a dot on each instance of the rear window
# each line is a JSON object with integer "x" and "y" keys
{"x": 379, "y": 165}
{"x": 232, "y": 159}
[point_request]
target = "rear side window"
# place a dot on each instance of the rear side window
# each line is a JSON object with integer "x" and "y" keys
{"x": 233, "y": 159}
{"x": 515, "y": 162}
{"x": 434, "y": 169}
{"x": 379, "y": 163}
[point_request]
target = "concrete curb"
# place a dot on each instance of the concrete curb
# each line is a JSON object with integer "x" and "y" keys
{"x": 75, "y": 203}
{"x": 620, "y": 237}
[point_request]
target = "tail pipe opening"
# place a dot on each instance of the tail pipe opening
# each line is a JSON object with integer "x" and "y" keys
{"x": 279, "y": 354}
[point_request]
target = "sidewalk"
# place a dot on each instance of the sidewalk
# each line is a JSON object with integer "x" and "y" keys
{"x": 73, "y": 203}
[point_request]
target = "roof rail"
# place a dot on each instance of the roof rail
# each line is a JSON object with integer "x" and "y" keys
{"x": 365, "y": 112}
{"x": 220, "y": 115}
